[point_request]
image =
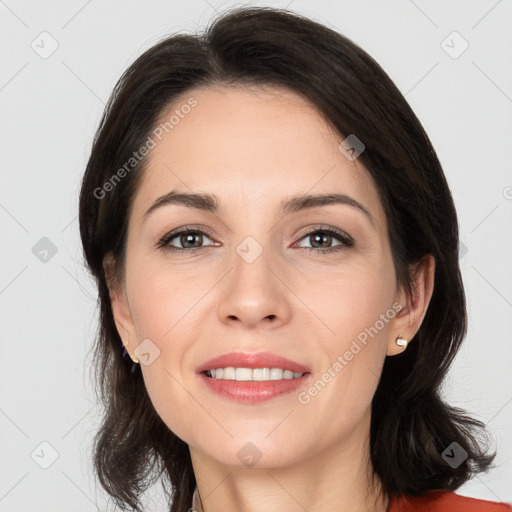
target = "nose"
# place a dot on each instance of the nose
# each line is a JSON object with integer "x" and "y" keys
{"x": 254, "y": 295}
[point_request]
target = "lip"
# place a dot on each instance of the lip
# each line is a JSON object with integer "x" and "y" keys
{"x": 252, "y": 392}
{"x": 252, "y": 360}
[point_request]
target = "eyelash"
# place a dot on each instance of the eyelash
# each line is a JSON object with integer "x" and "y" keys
{"x": 346, "y": 240}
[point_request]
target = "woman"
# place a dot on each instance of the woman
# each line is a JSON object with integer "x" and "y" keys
{"x": 290, "y": 357}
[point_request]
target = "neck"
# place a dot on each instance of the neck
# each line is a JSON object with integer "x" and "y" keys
{"x": 338, "y": 479}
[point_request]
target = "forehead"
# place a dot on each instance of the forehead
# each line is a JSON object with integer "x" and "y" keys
{"x": 239, "y": 142}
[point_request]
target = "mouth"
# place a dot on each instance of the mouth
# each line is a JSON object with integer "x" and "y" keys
{"x": 242, "y": 374}
{"x": 249, "y": 378}
{"x": 251, "y": 391}
{"x": 243, "y": 363}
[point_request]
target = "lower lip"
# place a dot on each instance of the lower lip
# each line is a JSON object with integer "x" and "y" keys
{"x": 253, "y": 391}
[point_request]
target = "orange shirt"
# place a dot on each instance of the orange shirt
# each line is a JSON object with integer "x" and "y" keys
{"x": 432, "y": 501}
{"x": 443, "y": 501}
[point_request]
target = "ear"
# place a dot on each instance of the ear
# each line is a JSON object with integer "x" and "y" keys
{"x": 414, "y": 305}
{"x": 119, "y": 304}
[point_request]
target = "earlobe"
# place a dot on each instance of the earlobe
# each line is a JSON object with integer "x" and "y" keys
{"x": 408, "y": 321}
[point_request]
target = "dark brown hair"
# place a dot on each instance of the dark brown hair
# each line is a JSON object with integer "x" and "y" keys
{"x": 411, "y": 424}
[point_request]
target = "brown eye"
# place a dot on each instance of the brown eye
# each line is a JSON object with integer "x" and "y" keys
{"x": 186, "y": 239}
{"x": 321, "y": 240}
{"x": 195, "y": 239}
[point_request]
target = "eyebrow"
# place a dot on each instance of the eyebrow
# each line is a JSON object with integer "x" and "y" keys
{"x": 210, "y": 203}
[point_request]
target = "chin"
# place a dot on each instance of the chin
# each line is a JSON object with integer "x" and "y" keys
{"x": 244, "y": 453}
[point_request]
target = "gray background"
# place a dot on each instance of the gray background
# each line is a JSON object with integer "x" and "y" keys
{"x": 50, "y": 109}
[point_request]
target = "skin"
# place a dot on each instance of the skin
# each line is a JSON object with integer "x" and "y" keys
{"x": 253, "y": 148}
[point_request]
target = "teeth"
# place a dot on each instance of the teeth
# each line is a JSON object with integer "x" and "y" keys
{"x": 257, "y": 374}
{"x": 261, "y": 374}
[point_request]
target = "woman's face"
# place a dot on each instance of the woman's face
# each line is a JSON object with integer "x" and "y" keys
{"x": 261, "y": 279}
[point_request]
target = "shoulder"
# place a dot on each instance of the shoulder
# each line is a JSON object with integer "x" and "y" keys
{"x": 444, "y": 501}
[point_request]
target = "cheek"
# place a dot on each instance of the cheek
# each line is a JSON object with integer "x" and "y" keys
{"x": 354, "y": 310}
{"x": 165, "y": 301}
{"x": 348, "y": 301}
{"x": 176, "y": 407}
{"x": 166, "y": 309}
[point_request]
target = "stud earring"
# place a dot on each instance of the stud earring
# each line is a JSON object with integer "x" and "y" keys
{"x": 402, "y": 342}
{"x": 134, "y": 359}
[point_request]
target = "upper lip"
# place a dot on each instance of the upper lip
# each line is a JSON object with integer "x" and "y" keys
{"x": 252, "y": 360}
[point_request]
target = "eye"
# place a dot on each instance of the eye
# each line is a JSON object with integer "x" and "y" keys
{"x": 191, "y": 239}
{"x": 321, "y": 240}
{"x": 188, "y": 239}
